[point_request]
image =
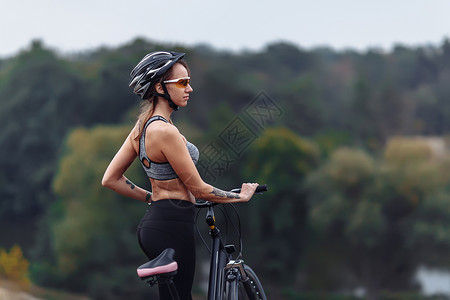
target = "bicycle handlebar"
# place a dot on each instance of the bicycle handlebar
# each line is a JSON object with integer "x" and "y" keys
{"x": 259, "y": 190}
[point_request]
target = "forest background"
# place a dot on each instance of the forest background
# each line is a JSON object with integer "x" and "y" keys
{"x": 353, "y": 145}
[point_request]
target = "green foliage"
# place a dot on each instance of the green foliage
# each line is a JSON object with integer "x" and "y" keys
{"x": 369, "y": 208}
{"x": 411, "y": 169}
{"x": 350, "y": 168}
{"x": 403, "y": 151}
{"x": 278, "y": 157}
{"x": 387, "y": 213}
{"x": 41, "y": 98}
{"x": 302, "y": 101}
{"x": 343, "y": 199}
{"x": 282, "y": 159}
{"x": 432, "y": 229}
{"x": 93, "y": 227}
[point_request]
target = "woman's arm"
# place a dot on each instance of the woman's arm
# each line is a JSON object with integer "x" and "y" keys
{"x": 114, "y": 178}
{"x": 175, "y": 150}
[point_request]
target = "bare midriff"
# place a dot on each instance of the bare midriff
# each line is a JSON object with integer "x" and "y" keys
{"x": 170, "y": 189}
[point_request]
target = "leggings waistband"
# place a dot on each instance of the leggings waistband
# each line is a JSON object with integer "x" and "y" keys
{"x": 171, "y": 209}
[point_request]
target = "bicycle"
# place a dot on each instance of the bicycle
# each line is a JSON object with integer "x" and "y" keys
{"x": 229, "y": 279}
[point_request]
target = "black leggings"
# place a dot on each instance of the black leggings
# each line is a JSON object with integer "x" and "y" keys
{"x": 169, "y": 223}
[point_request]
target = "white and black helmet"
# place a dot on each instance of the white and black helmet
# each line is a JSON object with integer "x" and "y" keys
{"x": 149, "y": 70}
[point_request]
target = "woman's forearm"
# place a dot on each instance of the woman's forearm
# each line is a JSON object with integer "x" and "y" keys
{"x": 213, "y": 194}
{"x": 128, "y": 189}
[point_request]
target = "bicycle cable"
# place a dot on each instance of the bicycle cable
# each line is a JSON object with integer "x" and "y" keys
{"x": 199, "y": 233}
{"x": 198, "y": 230}
{"x": 227, "y": 218}
{"x": 238, "y": 229}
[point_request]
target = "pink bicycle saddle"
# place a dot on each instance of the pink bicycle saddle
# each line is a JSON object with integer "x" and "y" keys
{"x": 162, "y": 264}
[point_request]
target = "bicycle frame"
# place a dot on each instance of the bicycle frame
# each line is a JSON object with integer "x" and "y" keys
{"x": 225, "y": 273}
{"x": 219, "y": 259}
{"x": 221, "y": 264}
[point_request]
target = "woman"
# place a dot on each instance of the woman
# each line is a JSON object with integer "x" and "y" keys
{"x": 162, "y": 80}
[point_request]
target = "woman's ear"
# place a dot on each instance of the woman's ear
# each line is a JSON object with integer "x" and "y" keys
{"x": 159, "y": 89}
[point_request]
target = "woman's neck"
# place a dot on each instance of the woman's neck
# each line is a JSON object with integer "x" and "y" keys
{"x": 164, "y": 110}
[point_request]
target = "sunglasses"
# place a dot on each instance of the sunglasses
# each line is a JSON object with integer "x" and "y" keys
{"x": 180, "y": 82}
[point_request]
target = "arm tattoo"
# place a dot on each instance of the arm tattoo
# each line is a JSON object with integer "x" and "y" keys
{"x": 132, "y": 186}
{"x": 221, "y": 193}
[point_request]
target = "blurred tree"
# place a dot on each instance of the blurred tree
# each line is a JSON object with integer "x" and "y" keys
{"x": 432, "y": 230}
{"x": 379, "y": 113}
{"x": 302, "y": 104}
{"x": 365, "y": 212}
{"x": 41, "y": 98}
{"x": 276, "y": 229}
{"x": 391, "y": 111}
{"x": 285, "y": 59}
{"x": 14, "y": 266}
{"x": 444, "y": 57}
{"x": 361, "y": 123}
{"x": 109, "y": 90}
{"x": 93, "y": 228}
{"x": 339, "y": 98}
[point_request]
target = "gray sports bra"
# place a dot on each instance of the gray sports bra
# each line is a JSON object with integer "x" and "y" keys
{"x": 161, "y": 171}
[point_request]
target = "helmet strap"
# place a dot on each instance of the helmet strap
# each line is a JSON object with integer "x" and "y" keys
{"x": 166, "y": 96}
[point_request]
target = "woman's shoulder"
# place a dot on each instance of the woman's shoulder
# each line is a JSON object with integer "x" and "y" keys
{"x": 162, "y": 131}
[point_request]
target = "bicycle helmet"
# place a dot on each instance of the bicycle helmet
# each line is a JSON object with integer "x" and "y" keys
{"x": 149, "y": 70}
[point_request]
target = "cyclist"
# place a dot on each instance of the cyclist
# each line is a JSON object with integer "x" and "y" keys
{"x": 162, "y": 80}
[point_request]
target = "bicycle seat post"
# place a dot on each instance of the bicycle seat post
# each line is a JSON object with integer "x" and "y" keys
{"x": 161, "y": 270}
{"x": 172, "y": 289}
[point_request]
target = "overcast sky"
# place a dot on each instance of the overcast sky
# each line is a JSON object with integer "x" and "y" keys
{"x": 228, "y": 24}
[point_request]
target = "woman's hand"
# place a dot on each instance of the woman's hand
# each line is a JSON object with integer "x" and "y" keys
{"x": 247, "y": 191}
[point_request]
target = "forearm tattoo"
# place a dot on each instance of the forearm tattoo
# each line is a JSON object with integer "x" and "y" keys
{"x": 132, "y": 186}
{"x": 221, "y": 193}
